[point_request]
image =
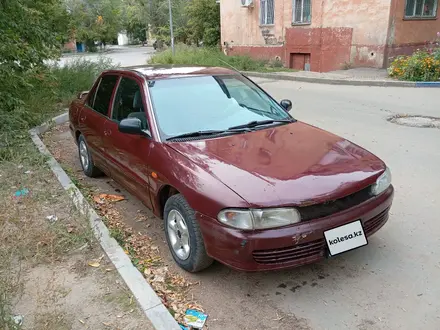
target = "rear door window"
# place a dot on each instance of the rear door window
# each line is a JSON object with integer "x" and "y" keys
{"x": 101, "y": 100}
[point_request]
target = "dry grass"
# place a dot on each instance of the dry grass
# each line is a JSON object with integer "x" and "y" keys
{"x": 26, "y": 236}
{"x": 52, "y": 321}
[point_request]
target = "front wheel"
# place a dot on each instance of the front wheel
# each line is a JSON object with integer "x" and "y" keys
{"x": 184, "y": 236}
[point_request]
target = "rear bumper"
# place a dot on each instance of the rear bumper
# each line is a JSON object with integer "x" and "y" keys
{"x": 289, "y": 246}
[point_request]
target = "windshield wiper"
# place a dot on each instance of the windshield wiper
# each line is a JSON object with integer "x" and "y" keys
{"x": 256, "y": 123}
{"x": 204, "y": 133}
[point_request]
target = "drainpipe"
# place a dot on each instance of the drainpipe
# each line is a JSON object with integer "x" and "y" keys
{"x": 390, "y": 33}
{"x": 320, "y": 35}
{"x": 283, "y": 30}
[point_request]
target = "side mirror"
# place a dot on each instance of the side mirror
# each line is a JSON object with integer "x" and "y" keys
{"x": 286, "y": 104}
{"x": 80, "y": 95}
{"x": 131, "y": 126}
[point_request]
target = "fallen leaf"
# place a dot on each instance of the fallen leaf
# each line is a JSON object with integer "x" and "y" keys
{"x": 107, "y": 324}
{"x": 161, "y": 271}
{"x": 158, "y": 278}
{"x": 70, "y": 228}
{"x": 111, "y": 198}
{"x": 108, "y": 269}
{"x": 82, "y": 321}
{"x": 95, "y": 264}
{"x": 147, "y": 271}
{"x": 98, "y": 200}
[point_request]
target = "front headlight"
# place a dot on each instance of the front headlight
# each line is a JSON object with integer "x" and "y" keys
{"x": 259, "y": 218}
{"x": 382, "y": 183}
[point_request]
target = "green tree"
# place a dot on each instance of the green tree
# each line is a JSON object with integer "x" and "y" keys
{"x": 32, "y": 32}
{"x": 135, "y": 21}
{"x": 204, "y": 21}
{"x": 143, "y": 14}
{"x": 95, "y": 20}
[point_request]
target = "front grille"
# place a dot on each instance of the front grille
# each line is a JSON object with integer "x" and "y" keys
{"x": 370, "y": 226}
{"x": 328, "y": 208}
{"x": 314, "y": 249}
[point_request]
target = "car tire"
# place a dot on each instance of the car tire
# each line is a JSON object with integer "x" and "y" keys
{"x": 196, "y": 258}
{"x": 86, "y": 160}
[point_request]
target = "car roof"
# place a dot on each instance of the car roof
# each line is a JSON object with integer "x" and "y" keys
{"x": 153, "y": 72}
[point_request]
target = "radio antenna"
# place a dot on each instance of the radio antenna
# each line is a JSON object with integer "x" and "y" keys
{"x": 229, "y": 65}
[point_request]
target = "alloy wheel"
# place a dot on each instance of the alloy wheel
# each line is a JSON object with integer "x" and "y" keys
{"x": 84, "y": 155}
{"x": 178, "y": 234}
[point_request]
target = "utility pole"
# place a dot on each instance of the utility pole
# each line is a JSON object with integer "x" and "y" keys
{"x": 148, "y": 33}
{"x": 171, "y": 27}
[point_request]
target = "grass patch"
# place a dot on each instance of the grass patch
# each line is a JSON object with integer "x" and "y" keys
{"x": 26, "y": 237}
{"x": 53, "y": 321}
{"x": 118, "y": 235}
{"x": 120, "y": 297}
{"x": 47, "y": 92}
{"x": 213, "y": 57}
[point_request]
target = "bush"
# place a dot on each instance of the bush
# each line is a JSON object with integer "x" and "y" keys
{"x": 77, "y": 75}
{"x": 37, "y": 96}
{"x": 213, "y": 57}
{"x": 421, "y": 66}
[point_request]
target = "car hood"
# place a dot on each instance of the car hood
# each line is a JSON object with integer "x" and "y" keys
{"x": 294, "y": 164}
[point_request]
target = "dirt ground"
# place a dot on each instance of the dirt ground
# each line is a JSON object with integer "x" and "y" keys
{"x": 217, "y": 285}
{"x": 46, "y": 247}
{"x": 69, "y": 294}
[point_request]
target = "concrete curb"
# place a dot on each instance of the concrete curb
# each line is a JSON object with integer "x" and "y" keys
{"x": 429, "y": 84}
{"x": 380, "y": 83}
{"x": 146, "y": 297}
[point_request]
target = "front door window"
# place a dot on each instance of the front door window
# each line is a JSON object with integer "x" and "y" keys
{"x": 128, "y": 102}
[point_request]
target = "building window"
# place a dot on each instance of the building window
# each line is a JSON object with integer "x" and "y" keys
{"x": 302, "y": 13}
{"x": 266, "y": 12}
{"x": 421, "y": 8}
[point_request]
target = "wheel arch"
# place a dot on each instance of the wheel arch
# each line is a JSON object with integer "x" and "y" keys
{"x": 164, "y": 194}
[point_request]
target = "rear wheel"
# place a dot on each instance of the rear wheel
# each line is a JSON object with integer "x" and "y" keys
{"x": 184, "y": 236}
{"x": 86, "y": 159}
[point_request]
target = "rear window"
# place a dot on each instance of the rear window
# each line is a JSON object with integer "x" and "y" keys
{"x": 102, "y": 97}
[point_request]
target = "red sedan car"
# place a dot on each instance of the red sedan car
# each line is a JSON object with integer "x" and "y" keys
{"x": 233, "y": 175}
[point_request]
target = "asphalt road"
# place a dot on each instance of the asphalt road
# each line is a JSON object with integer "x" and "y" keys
{"x": 122, "y": 56}
{"x": 394, "y": 282}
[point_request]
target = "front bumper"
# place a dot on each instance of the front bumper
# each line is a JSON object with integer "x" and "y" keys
{"x": 291, "y": 246}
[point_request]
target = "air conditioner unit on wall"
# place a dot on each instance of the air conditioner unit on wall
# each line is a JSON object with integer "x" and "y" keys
{"x": 246, "y": 3}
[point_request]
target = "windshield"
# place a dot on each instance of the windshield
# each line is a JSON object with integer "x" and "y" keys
{"x": 185, "y": 105}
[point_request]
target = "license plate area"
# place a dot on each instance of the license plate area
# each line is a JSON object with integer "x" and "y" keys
{"x": 345, "y": 238}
